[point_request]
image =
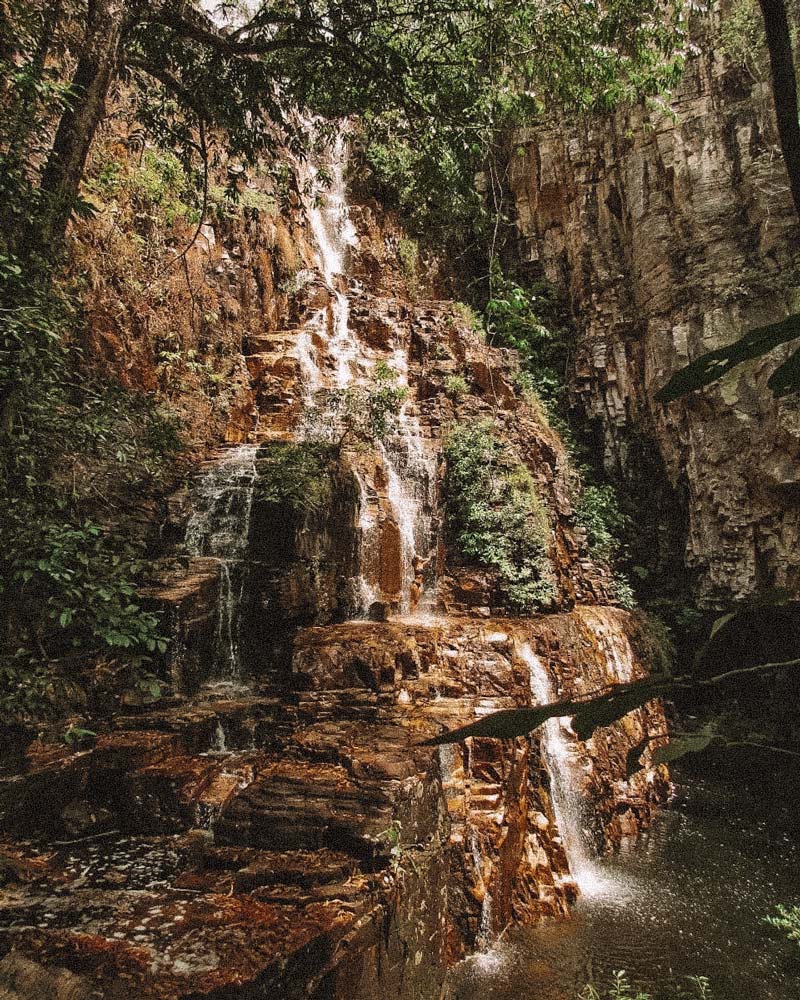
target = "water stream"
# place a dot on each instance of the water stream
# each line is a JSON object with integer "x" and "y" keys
{"x": 219, "y": 527}
{"x": 564, "y": 766}
{"x": 408, "y": 470}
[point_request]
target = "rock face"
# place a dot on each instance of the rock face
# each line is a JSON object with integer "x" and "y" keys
{"x": 670, "y": 242}
{"x": 276, "y": 825}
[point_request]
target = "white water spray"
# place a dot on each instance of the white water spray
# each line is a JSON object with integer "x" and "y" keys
{"x": 409, "y": 471}
{"x": 334, "y": 234}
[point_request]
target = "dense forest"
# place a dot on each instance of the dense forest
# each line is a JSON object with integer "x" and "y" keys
{"x": 399, "y": 508}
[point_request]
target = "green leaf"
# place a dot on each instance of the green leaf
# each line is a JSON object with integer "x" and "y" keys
{"x": 587, "y": 716}
{"x": 506, "y": 724}
{"x": 682, "y": 745}
{"x": 786, "y": 377}
{"x": 613, "y": 706}
{"x": 713, "y": 365}
{"x": 633, "y": 759}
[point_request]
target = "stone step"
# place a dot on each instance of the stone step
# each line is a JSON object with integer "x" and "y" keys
{"x": 306, "y": 806}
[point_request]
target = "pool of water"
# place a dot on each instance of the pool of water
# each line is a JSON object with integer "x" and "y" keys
{"x": 688, "y": 899}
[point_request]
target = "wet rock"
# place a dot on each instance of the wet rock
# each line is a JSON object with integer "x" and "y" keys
{"x": 80, "y": 819}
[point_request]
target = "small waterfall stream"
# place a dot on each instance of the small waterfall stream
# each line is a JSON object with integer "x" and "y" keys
{"x": 219, "y": 527}
{"x": 564, "y": 766}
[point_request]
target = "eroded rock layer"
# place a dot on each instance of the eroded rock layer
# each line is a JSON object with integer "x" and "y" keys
{"x": 307, "y": 843}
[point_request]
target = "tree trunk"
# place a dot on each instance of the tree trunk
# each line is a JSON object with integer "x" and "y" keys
{"x": 784, "y": 88}
{"x": 96, "y": 70}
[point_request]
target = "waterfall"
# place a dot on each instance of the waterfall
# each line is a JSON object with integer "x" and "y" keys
{"x": 409, "y": 472}
{"x": 334, "y": 233}
{"x": 560, "y": 749}
{"x": 219, "y": 527}
{"x": 612, "y": 639}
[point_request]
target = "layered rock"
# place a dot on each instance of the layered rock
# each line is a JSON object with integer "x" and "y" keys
{"x": 335, "y": 858}
{"x": 673, "y": 235}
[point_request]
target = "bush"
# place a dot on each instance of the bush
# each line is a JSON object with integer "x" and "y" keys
{"x": 456, "y": 386}
{"x": 156, "y": 188}
{"x": 496, "y": 516}
{"x": 297, "y": 475}
{"x": 76, "y": 458}
{"x": 742, "y": 37}
{"x": 358, "y": 413}
{"x": 787, "y": 919}
{"x": 464, "y": 315}
{"x": 597, "y": 512}
{"x": 408, "y": 255}
{"x": 621, "y": 989}
{"x": 532, "y": 321}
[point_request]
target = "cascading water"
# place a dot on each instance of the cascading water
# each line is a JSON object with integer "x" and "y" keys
{"x": 564, "y": 767}
{"x": 612, "y": 640}
{"x": 334, "y": 233}
{"x": 219, "y": 527}
{"x": 407, "y": 469}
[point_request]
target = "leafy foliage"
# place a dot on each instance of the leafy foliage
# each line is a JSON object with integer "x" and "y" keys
{"x": 296, "y": 475}
{"x": 500, "y": 66}
{"x": 511, "y": 316}
{"x": 620, "y": 988}
{"x": 357, "y": 413}
{"x": 70, "y": 448}
{"x": 742, "y": 36}
{"x": 597, "y": 511}
{"x": 787, "y": 919}
{"x": 456, "y": 386}
{"x": 496, "y": 516}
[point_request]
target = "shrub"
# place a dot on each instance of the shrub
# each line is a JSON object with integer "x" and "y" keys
{"x": 297, "y": 475}
{"x": 511, "y": 318}
{"x": 597, "y": 512}
{"x": 76, "y": 458}
{"x": 622, "y": 592}
{"x": 408, "y": 255}
{"x": 156, "y": 187}
{"x": 464, "y": 315}
{"x": 621, "y": 989}
{"x": 358, "y": 413}
{"x": 456, "y": 386}
{"x": 787, "y": 919}
{"x": 742, "y": 37}
{"x": 496, "y": 516}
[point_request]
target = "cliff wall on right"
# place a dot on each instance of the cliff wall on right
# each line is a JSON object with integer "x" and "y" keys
{"x": 669, "y": 241}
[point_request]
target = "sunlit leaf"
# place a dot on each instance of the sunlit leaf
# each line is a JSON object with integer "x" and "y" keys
{"x": 506, "y": 724}
{"x": 680, "y": 746}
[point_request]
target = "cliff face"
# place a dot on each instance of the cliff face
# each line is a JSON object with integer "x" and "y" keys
{"x": 673, "y": 236}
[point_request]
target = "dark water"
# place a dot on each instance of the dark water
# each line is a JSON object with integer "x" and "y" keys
{"x": 687, "y": 900}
